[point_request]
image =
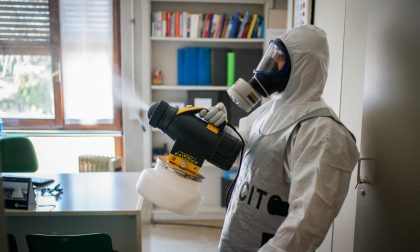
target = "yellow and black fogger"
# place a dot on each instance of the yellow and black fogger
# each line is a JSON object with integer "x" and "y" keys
{"x": 175, "y": 181}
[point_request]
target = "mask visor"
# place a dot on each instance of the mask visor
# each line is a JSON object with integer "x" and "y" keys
{"x": 244, "y": 95}
{"x": 273, "y": 61}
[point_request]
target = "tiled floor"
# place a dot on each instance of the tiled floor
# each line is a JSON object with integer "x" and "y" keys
{"x": 174, "y": 238}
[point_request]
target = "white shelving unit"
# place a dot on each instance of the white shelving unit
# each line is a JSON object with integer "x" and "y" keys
{"x": 161, "y": 53}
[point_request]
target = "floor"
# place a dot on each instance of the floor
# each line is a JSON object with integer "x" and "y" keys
{"x": 182, "y": 236}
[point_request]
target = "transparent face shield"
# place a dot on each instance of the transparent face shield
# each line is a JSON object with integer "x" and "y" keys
{"x": 273, "y": 61}
{"x": 270, "y": 76}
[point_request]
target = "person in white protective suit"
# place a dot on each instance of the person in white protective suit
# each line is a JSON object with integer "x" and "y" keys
{"x": 298, "y": 156}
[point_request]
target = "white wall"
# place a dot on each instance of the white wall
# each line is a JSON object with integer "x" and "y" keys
{"x": 351, "y": 109}
{"x": 345, "y": 23}
{"x": 329, "y": 15}
{"x": 131, "y": 77}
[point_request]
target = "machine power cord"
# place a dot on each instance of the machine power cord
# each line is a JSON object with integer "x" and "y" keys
{"x": 232, "y": 185}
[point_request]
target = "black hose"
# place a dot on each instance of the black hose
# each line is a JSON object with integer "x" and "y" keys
{"x": 232, "y": 185}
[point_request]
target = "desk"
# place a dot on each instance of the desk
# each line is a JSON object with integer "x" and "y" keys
{"x": 105, "y": 202}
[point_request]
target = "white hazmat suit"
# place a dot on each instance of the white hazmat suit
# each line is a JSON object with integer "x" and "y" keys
{"x": 297, "y": 163}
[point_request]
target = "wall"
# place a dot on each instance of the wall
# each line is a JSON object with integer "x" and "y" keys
{"x": 132, "y": 56}
{"x": 133, "y": 133}
{"x": 351, "y": 109}
{"x": 329, "y": 15}
{"x": 345, "y": 23}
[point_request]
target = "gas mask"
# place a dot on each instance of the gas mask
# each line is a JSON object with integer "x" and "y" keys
{"x": 271, "y": 76}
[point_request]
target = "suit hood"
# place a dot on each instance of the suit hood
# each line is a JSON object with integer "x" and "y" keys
{"x": 308, "y": 49}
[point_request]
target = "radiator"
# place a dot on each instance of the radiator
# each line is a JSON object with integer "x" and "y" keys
{"x": 94, "y": 163}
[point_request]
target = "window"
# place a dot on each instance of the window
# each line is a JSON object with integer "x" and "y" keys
{"x": 60, "y": 64}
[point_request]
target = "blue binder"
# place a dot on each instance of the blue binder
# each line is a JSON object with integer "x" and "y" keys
{"x": 190, "y": 66}
{"x": 181, "y": 62}
{"x": 204, "y": 66}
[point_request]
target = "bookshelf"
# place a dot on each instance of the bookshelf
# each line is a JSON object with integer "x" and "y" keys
{"x": 161, "y": 53}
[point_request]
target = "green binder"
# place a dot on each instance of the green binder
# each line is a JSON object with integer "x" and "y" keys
{"x": 230, "y": 68}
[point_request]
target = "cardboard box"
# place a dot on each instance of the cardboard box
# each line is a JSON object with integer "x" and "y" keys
{"x": 277, "y": 19}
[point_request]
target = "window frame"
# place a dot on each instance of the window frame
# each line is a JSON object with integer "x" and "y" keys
{"x": 54, "y": 49}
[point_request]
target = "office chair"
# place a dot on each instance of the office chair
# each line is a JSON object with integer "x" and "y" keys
{"x": 12, "y": 243}
{"x": 17, "y": 154}
{"x": 95, "y": 242}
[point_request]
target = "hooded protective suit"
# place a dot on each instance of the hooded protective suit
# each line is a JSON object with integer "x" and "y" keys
{"x": 297, "y": 162}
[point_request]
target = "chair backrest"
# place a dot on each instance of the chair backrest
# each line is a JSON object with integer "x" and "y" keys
{"x": 12, "y": 243}
{"x": 17, "y": 154}
{"x": 95, "y": 163}
{"x": 95, "y": 242}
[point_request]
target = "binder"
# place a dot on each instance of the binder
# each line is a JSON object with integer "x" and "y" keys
{"x": 219, "y": 66}
{"x": 246, "y": 60}
{"x": 190, "y": 66}
{"x": 230, "y": 68}
{"x": 180, "y": 63}
{"x": 204, "y": 62}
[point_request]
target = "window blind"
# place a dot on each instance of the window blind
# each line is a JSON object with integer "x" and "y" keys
{"x": 25, "y": 21}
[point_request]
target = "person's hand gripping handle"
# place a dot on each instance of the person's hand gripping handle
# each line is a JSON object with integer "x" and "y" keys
{"x": 216, "y": 115}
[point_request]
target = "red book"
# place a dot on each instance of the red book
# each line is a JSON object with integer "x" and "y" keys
{"x": 177, "y": 25}
{"x": 168, "y": 24}
{"x": 209, "y": 20}
{"x": 246, "y": 28}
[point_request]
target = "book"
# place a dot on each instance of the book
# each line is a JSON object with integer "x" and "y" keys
{"x": 209, "y": 21}
{"x": 229, "y": 27}
{"x": 261, "y": 29}
{"x": 203, "y": 25}
{"x": 214, "y": 22}
{"x": 184, "y": 24}
{"x": 188, "y": 31}
{"x": 220, "y": 25}
{"x": 253, "y": 25}
{"x": 242, "y": 27}
{"x": 168, "y": 24}
{"x": 164, "y": 23}
{"x": 225, "y": 27}
{"x": 181, "y": 26}
{"x": 194, "y": 25}
{"x": 246, "y": 29}
{"x": 235, "y": 25}
{"x": 204, "y": 61}
{"x": 219, "y": 66}
{"x": 217, "y": 26}
{"x": 172, "y": 25}
{"x": 154, "y": 21}
{"x": 177, "y": 26}
{"x": 230, "y": 68}
{"x": 255, "y": 32}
